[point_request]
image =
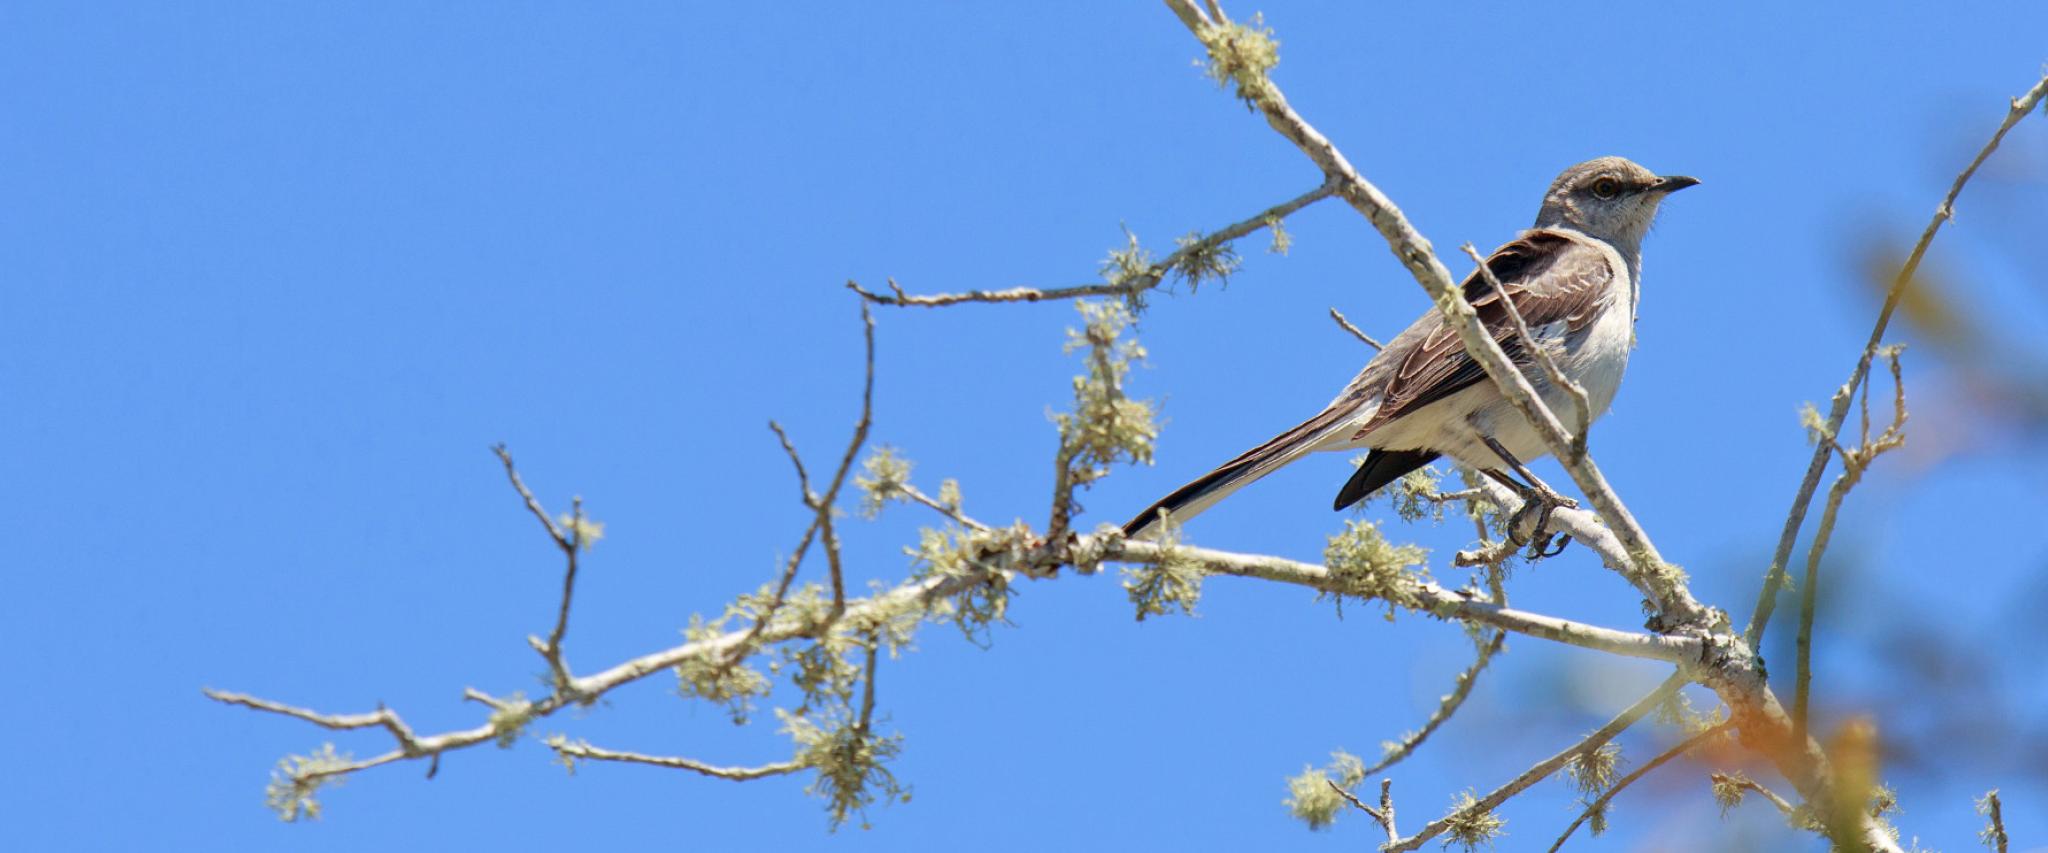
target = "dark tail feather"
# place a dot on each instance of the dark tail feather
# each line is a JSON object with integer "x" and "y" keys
{"x": 1257, "y": 462}
{"x": 1188, "y": 494}
{"x": 1380, "y": 468}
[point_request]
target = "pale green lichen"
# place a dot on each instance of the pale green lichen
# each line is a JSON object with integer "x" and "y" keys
{"x": 1363, "y": 563}
{"x": 1282, "y": 241}
{"x": 821, "y": 671}
{"x": 1240, "y": 55}
{"x": 1596, "y": 816}
{"x": 509, "y": 717}
{"x": 1310, "y": 797}
{"x": 1676, "y": 710}
{"x": 297, "y": 780}
{"x": 1201, "y": 260}
{"x": 1173, "y": 582}
{"x": 1729, "y": 790}
{"x": 979, "y": 556}
{"x": 1469, "y": 827}
{"x": 850, "y": 760}
{"x": 891, "y": 620}
{"x": 1815, "y": 424}
{"x": 1130, "y": 267}
{"x": 882, "y": 478}
{"x": 716, "y": 677}
{"x": 1592, "y": 771}
{"x": 1414, "y": 496}
{"x": 1993, "y": 834}
{"x": 1106, "y": 426}
{"x": 582, "y": 531}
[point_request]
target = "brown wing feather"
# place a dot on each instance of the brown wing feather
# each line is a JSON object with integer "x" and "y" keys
{"x": 1551, "y": 277}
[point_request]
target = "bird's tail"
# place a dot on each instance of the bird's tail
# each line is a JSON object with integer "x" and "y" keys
{"x": 1187, "y": 501}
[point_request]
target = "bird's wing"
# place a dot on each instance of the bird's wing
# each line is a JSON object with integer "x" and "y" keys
{"x": 1551, "y": 276}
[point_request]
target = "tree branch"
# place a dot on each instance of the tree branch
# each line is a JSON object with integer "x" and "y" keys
{"x": 1838, "y": 411}
{"x": 1747, "y": 784}
{"x": 1354, "y": 330}
{"x": 1384, "y": 815}
{"x": 1428, "y": 597}
{"x": 1133, "y": 285}
{"x": 570, "y": 544}
{"x": 580, "y": 749}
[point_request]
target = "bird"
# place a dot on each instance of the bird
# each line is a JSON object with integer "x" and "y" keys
{"x": 1575, "y": 279}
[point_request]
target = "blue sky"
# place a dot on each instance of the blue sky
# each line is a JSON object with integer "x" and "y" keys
{"x": 277, "y": 275}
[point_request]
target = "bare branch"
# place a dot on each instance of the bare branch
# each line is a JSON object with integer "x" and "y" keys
{"x": 532, "y": 505}
{"x": 1600, "y": 803}
{"x": 826, "y": 503}
{"x": 1993, "y": 834}
{"x": 590, "y": 687}
{"x": 571, "y": 544}
{"x": 1148, "y": 279}
{"x": 407, "y": 743}
{"x": 1384, "y": 815}
{"x": 940, "y": 507}
{"x": 581, "y": 749}
{"x": 1838, "y": 412}
{"x": 1354, "y": 330}
{"x": 822, "y": 507}
{"x": 1745, "y": 783}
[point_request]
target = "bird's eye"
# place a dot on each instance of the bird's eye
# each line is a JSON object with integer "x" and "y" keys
{"x": 1607, "y": 188}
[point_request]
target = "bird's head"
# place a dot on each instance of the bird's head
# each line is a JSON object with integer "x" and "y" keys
{"x": 1610, "y": 198}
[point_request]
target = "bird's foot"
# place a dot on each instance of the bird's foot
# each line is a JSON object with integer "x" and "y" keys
{"x": 1540, "y": 502}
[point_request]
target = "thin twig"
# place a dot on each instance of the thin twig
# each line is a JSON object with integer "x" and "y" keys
{"x": 525, "y": 494}
{"x": 1783, "y": 805}
{"x": 946, "y": 510}
{"x": 911, "y": 593}
{"x": 822, "y": 507}
{"x": 1619, "y": 785}
{"x": 571, "y": 544}
{"x": 580, "y": 749}
{"x": 1854, "y": 463}
{"x": 1149, "y": 278}
{"x": 1354, "y": 330}
{"x": 1795, "y": 518}
{"x": 829, "y": 499}
{"x": 1994, "y": 830}
{"x": 382, "y": 717}
{"x": 1384, "y": 815}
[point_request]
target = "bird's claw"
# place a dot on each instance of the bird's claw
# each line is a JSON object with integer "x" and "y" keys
{"x": 1542, "y": 503}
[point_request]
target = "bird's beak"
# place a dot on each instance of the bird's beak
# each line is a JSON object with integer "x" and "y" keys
{"x": 1674, "y": 183}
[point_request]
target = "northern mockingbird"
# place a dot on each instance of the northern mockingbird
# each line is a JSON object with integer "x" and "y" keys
{"x": 1573, "y": 278}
